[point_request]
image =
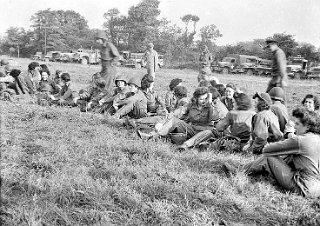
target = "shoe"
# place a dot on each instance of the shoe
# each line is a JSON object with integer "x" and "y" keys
{"x": 143, "y": 135}
{"x": 182, "y": 148}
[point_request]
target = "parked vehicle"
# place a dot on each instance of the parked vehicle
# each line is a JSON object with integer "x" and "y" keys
{"x": 236, "y": 63}
{"x": 314, "y": 73}
{"x": 87, "y": 56}
{"x": 37, "y": 56}
{"x": 297, "y": 67}
{"x": 135, "y": 60}
{"x": 263, "y": 68}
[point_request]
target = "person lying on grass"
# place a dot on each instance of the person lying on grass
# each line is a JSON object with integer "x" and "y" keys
{"x": 67, "y": 95}
{"x": 198, "y": 117}
{"x": 46, "y": 89}
{"x": 135, "y": 105}
{"x": 170, "y": 100}
{"x": 155, "y": 104}
{"x": 295, "y": 162}
{"x": 265, "y": 125}
{"x": 88, "y": 99}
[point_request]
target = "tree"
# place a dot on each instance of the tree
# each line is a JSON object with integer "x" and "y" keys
{"x": 307, "y": 51}
{"x": 209, "y": 34}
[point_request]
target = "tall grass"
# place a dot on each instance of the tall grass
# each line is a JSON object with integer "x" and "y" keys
{"x": 63, "y": 167}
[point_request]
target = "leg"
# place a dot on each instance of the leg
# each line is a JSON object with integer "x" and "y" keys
{"x": 198, "y": 138}
{"x": 178, "y": 125}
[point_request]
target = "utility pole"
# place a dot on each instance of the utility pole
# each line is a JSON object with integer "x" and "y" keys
{"x": 45, "y": 37}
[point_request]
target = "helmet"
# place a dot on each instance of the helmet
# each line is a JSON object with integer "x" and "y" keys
{"x": 65, "y": 77}
{"x": 135, "y": 80}
{"x": 8, "y": 68}
{"x": 277, "y": 93}
{"x": 121, "y": 78}
{"x": 263, "y": 96}
{"x": 4, "y": 62}
{"x": 102, "y": 35}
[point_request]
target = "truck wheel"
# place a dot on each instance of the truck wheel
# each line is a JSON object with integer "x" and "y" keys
{"x": 138, "y": 66}
{"x": 250, "y": 72}
{"x": 84, "y": 61}
{"x": 225, "y": 71}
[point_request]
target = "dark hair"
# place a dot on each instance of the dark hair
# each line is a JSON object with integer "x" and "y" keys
{"x": 315, "y": 100}
{"x": 199, "y": 92}
{"x": 204, "y": 83}
{"x": 174, "y": 83}
{"x": 45, "y": 68}
{"x": 15, "y": 73}
{"x": 221, "y": 89}
{"x": 147, "y": 78}
{"x": 145, "y": 84}
{"x": 213, "y": 83}
{"x": 33, "y": 65}
{"x": 215, "y": 92}
{"x": 243, "y": 101}
{"x": 180, "y": 91}
{"x": 308, "y": 118}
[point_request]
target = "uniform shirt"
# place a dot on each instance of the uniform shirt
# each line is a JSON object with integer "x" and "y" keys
{"x": 281, "y": 111}
{"x": 219, "y": 110}
{"x": 198, "y": 117}
{"x": 279, "y": 65}
{"x": 153, "y": 100}
{"x": 265, "y": 129}
{"x": 67, "y": 93}
{"x": 229, "y": 102}
{"x": 240, "y": 123}
{"x": 305, "y": 153}
{"x": 170, "y": 101}
{"x": 48, "y": 86}
{"x": 151, "y": 59}
{"x": 135, "y": 97}
{"x": 93, "y": 93}
{"x": 109, "y": 52}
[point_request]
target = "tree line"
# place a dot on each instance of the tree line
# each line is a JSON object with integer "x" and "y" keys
{"x": 68, "y": 30}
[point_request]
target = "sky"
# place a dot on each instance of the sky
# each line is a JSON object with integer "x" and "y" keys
{"x": 237, "y": 20}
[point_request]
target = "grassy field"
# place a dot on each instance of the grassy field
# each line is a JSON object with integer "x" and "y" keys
{"x": 63, "y": 167}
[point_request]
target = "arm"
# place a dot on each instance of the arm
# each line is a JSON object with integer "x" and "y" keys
{"x": 116, "y": 55}
{"x": 224, "y": 123}
{"x": 286, "y": 147}
{"x": 259, "y": 133}
{"x": 282, "y": 63}
{"x": 67, "y": 94}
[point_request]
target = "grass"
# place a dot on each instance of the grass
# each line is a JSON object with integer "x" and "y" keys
{"x": 63, "y": 167}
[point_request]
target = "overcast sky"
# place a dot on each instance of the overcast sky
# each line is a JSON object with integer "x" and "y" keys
{"x": 237, "y": 20}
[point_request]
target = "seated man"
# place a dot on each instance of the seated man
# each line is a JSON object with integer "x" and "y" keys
{"x": 47, "y": 88}
{"x": 265, "y": 125}
{"x": 299, "y": 171}
{"x": 109, "y": 104}
{"x": 155, "y": 105}
{"x": 170, "y": 100}
{"x": 135, "y": 105}
{"x": 67, "y": 95}
{"x": 89, "y": 98}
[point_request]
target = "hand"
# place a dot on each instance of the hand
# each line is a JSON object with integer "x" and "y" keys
{"x": 61, "y": 101}
{"x": 284, "y": 83}
{"x": 101, "y": 102}
{"x": 89, "y": 105}
{"x": 76, "y": 99}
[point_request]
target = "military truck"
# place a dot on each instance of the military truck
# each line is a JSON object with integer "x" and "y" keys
{"x": 237, "y": 64}
{"x": 263, "y": 68}
{"x": 87, "y": 56}
{"x": 297, "y": 67}
{"x": 314, "y": 73}
{"x": 135, "y": 60}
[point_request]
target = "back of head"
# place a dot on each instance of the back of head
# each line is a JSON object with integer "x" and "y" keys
{"x": 174, "y": 83}
{"x": 4, "y": 62}
{"x": 231, "y": 85}
{"x": 215, "y": 92}
{"x": 33, "y": 65}
{"x": 243, "y": 101}
{"x": 221, "y": 89}
{"x": 15, "y": 73}
{"x": 264, "y": 101}
{"x": 181, "y": 91}
{"x": 135, "y": 80}
{"x": 204, "y": 83}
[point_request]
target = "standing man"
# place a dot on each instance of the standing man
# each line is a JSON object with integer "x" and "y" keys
{"x": 151, "y": 57}
{"x": 109, "y": 58}
{"x": 279, "y": 66}
{"x": 205, "y": 60}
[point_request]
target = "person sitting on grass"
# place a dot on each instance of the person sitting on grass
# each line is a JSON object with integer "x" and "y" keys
{"x": 278, "y": 107}
{"x": 228, "y": 99}
{"x": 198, "y": 117}
{"x": 6, "y": 93}
{"x": 170, "y": 100}
{"x": 221, "y": 89}
{"x": 294, "y": 162}
{"x": 89, "y": 98}
{"x": 31, "y": 77}
{"x": 265, "y": 125}
{"x": 312, "y": 103}
{"x": 67, "y": 95}
{"x": 47, "y": 88}
{"x": 135, "y": 105}
{"x": 109, "y": 104}
{"x": 155, "y": 104}
{"x": 57, "y": 78}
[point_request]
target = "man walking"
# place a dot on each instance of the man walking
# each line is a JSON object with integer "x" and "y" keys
{"x": 109, "y": 58}
{"x": 151, "y": 57}
{"x": 279, "y": 66}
